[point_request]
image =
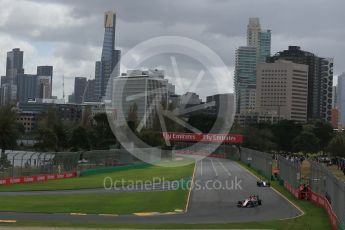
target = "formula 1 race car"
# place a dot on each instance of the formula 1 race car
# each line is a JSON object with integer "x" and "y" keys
{"x": 250, "y": 202}
{"x": 263, "y": 184}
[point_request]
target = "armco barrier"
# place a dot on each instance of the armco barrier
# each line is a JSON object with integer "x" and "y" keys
{"x": 30, "y": 179}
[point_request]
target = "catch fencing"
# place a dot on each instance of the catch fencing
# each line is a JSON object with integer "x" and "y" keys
{"x": 21, "y": 163}
{"x": 290, "y": 172}
{"x": 325, "y": 184}
{"x": 260, "y": 161}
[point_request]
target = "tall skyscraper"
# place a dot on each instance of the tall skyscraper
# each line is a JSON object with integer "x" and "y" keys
{"x": 79, "y": 89}
{"x": 3, "y": 80}
{"x": 264, "y": 45}
{"x": 14, "y": 65}
{"x": 341, "y": 99}
{"x": 8, "y": 94}
{"x": 320, "y": 80}
{"x": 253, "y": 32}
{"x": 26, "y": 87}
{"x": 282, "y": 90}
{"x": 245, "y": 77}
{"x": 110, "y": 56}
{"x": 46, "y": 71}
{"x": 90, "y": 91}
{"x": 258, "y": 49}
{"x": 43, "y": 87}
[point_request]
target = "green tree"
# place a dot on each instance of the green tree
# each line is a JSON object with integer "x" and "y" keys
{"x": 202, "y": 122}
{"x": 337, "y": 145}
{"x": 49, "y": 124}
{"x": 324, "y": 131}
{"x": 79, "y": 139}
{"x": 259, "y": 139}
{"x": 9, "y": 131}
{"x": 61, "y": 137}
{"x": 284, "y": 132}
{"x": 306, "y": 142}
{"x": 47, "y": 140}
{"x": 151, "y": 137}
{"x": 101, "y": 135}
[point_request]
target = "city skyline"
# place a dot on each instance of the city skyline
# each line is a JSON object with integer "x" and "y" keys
{"x": 73, "y": 53}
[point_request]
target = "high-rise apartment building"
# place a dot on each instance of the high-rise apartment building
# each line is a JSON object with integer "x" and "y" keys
{"x": 320, "y": 80}
{"x": 110, "y": 56}
{"x": 245, "y": 76}
{"x": 282, "y": 90}
{"x": 145, "y": 89}
{"x": 335, "y": 97}
{"x": 258, "y": 49}
{"x": 341, "y": 99}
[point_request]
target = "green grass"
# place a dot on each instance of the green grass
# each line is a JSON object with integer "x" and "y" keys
{"x": 96, "y": 181}
{"x": 115, "y": 203}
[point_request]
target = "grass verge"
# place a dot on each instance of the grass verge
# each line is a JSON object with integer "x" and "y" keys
{"x": 96, "y": 181}
{"x": 115, "y": 203}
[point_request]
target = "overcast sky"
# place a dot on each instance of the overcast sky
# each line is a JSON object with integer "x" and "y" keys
{"x": 68, "y": 34}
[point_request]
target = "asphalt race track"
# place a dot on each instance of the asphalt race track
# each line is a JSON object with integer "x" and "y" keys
{"x": 208, "y": 203}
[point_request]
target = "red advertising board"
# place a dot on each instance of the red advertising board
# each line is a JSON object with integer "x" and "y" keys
{"x": 30, "y": 179}
{"x": 203, "y": 137}
{"x": 318, "y": 200}
{"x": 323, "y": 202}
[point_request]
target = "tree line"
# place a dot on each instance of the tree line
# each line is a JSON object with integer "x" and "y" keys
{"x": 288, "y": 136}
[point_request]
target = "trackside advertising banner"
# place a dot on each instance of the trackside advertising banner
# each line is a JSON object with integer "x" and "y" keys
{"x": 323, "y": 202}
{"x": 203, "y": 137}
{"x": 30, "y": 179}
{"x": 318, "y": 200}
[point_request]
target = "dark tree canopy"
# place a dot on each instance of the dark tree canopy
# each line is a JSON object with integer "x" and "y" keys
{"x": 10, "y": 131}
{"x": 306, "y": 142}
{"x": 284, "y": 132}
{"x": 259, "y": 139}
{"x": 337, "y": 145}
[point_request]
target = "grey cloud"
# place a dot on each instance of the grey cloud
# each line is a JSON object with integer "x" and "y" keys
{"x": 315, "y": 25}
